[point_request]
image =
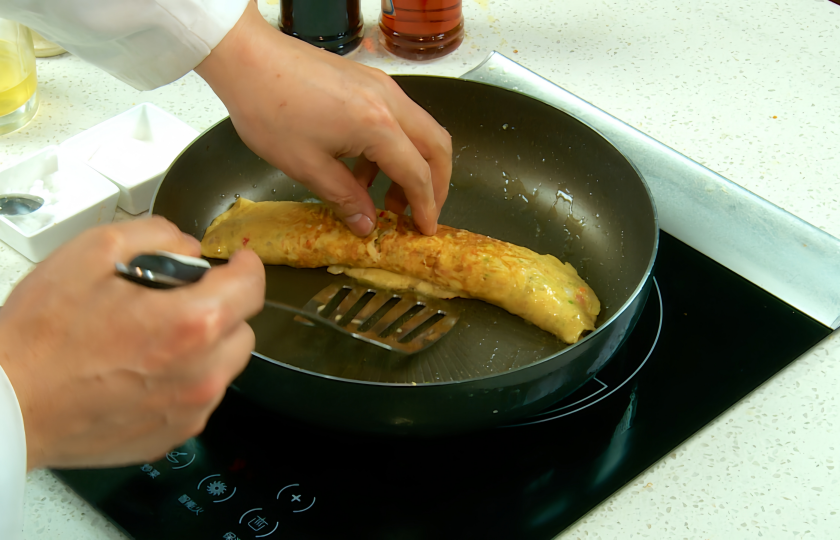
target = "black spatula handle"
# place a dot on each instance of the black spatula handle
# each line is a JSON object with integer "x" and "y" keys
{"x": 163, "y": 270}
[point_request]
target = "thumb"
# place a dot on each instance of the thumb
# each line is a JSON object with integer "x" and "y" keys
{"x": 339, "y": 189}
{"x": 236, "y": 288}
{"x": 241, "y": 281}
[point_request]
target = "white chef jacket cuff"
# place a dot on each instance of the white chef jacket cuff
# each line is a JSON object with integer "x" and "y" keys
{"x": 12, "y": 462}
{"x": 146, "y": 43}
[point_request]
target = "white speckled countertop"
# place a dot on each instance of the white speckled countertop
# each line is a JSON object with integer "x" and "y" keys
{"x": 750, "y": 90}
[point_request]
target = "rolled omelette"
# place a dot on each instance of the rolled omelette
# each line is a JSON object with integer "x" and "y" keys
{"x": 451, "y": 263}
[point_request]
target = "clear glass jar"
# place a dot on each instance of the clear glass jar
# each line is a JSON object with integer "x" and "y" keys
{"x": 18, "y": 82}
{"x": 45, "y": 48}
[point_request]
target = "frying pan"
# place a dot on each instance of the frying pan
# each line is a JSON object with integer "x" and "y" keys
{"x": 523, "y": 172}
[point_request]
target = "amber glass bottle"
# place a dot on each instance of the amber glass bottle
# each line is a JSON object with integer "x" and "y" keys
{"x": 421, "y": 29}
{"x": 334, "y": 25}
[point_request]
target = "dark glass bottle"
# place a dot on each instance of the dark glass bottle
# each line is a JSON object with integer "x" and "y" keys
{"x": 334, "y": 25}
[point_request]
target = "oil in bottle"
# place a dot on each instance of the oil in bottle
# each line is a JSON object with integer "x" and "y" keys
{"x": 421, "y": 29}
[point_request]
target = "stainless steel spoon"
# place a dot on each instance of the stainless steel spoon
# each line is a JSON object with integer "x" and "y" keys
{"x": 19, "y": 204}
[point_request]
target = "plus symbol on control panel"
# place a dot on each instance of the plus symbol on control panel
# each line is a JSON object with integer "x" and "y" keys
{"x": 295, "y": 498}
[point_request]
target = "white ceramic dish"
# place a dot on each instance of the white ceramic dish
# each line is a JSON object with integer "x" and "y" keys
{"x": 75, "y": 198}
{"x": 133, "y": 150}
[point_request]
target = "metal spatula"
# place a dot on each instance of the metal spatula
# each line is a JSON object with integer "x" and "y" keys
{"x": 402, "y": 322}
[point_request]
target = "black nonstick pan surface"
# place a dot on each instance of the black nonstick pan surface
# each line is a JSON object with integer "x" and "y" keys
{"x": 524, "y": 172}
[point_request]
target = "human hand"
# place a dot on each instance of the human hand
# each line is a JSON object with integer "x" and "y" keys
{"x": 301, "y": 108}
{"x": 108, "y": 372}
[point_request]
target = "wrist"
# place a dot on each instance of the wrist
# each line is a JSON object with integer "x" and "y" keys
{"x": 242, "y": 50}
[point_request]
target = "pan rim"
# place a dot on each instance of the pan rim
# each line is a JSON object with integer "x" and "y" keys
{"x": 627, "y": 303}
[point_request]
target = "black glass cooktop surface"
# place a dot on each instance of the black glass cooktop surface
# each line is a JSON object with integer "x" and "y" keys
{"x": 706, "y": 338}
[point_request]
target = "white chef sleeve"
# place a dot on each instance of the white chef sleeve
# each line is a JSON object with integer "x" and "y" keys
{"x": 146, "y": 43}
{"x": 12, "y": 462}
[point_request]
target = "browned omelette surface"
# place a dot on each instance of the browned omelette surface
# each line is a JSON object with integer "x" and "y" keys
{"x": 453, "y": 262}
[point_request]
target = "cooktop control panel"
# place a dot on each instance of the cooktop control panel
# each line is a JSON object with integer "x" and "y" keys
{"x": 195, "y": 493}
{"x": 260, "y": 510}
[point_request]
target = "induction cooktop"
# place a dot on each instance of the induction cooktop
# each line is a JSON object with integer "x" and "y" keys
{"x": 705, "y": 339}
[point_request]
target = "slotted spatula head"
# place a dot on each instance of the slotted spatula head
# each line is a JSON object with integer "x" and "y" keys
{"x": 398, "y": 321}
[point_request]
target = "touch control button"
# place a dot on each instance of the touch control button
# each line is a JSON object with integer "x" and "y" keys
{"x": 180, "y": 460}
{"x": 216, "y": 488}
{"x": 257, "y": 523}
{"x": 294, "y": 497}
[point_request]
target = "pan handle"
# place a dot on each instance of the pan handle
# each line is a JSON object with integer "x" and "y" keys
{"x": 163, "y": 270}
